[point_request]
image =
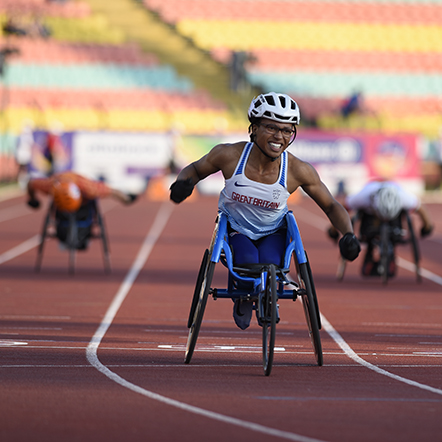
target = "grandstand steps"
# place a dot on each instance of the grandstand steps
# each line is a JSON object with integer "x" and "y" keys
{"x": 154, "y": 36}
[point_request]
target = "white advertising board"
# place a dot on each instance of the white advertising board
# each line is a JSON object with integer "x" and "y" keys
{"x": 124, "y": 160}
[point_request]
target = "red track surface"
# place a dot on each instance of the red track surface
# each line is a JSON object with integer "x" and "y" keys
{"x": 75, "y": 365}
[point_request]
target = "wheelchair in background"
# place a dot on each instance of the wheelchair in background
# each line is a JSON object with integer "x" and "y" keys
{"x": 270, "y": 283}
{"x": 74, "y": 230}
{"x": 382, "y": 237}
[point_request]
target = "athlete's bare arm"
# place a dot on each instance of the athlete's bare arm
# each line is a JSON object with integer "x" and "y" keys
{"x": 304, "y": 175}
{"x": 222, "y": 157}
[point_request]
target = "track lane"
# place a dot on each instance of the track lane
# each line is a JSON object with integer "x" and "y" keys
{"x": 160, "y": 297}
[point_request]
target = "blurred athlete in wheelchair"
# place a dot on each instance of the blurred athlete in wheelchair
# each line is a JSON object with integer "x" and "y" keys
{"x": 72, "y": 193}
{"x": 383, "y": 201}
{"x": 259, "y": 177}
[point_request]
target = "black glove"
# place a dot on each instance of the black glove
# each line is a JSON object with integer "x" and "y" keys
{"x": 349, "y": 246}
{"x": 426, "y": 231}
{"x": 34, "y": 203}
{"x": 181, "y": 189}
{"x": 132, "y": 198}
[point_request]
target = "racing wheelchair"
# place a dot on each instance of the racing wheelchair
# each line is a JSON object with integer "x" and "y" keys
{"x": 74, "y": 231}
{"x": 269, "y": 283}
{"x": 383, "y": 236}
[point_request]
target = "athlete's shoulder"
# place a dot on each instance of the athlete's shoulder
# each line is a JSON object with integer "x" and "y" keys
{"x": 225, "y": 157}
{"x": 228, "y": 150}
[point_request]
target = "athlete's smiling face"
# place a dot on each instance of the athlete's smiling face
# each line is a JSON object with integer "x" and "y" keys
{"x": 273, "y": 137}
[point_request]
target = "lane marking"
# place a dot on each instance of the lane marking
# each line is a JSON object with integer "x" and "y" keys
{"x": 14, "y": 212}
{"x": 343, "y": 399}
{"x": 33, "y": 317}
{"x": 407, "y": 265}
{"x": 8, "y": 343}
{"x": 91, "y": 351}
{"x": 352, "y": 355}
{"x": 198, "y": 366}
{"x": 20, "y": 249}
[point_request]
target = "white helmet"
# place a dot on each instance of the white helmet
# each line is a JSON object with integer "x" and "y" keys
{"x": 278, "y": 107}
{"x": 387, "y": 202}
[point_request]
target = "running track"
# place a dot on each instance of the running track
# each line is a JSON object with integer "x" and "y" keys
{"x": 95, "y": 357}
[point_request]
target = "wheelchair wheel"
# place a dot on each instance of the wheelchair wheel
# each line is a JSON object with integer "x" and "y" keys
{"x": 72, "y": 240}
{"x": 414, "y": 248}
{"x": 104, "y": 240}
{"x": 311, "y": 315}
{"x": 199, "y": 282}
{"x": 384, "y": 251}
{"x": 44, "y": 233}
{"x": 205, "y": 277}
{"x": 315, "y": 299}
{"x": 269, "y": 320}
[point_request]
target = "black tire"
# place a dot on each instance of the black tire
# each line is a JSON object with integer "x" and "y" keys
{"x": 269, "y": 320}
{"x": 312, "y": 283}
{"x": 44, "y": 233}
{"x": 414, "y": 247}
{"x": 310, "y": 313}
{"x": 72, "y": 241}
{"x": 199, "y": 282}
{"x": 104, "y": 240}
{"x": 199, "y": 310}
{"x": 384, "y": 251}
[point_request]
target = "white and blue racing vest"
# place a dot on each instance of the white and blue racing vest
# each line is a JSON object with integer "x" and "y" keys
{"x": 255, "y": 209}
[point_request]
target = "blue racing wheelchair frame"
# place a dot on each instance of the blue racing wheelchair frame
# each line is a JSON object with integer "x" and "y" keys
{"x": 269, "y": 282}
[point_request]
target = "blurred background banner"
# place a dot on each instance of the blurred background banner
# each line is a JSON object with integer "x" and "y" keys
{"x": 123, "y": 160}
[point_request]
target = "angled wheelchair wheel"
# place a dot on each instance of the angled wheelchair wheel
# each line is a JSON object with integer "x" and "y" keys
{"x": 198, "y": 307}
{"x": 312, "y": 284}
{"x": 197, "y": 291}
{"x": 72, "y": 241}
{"x": 104, "y": 240}
{"x": 414, "y": 247}
{"x": 269, "y": 320}
{"x": 309, "y": 306}
{"x": 384, "y": 251}
{"x": 44, "y": 233}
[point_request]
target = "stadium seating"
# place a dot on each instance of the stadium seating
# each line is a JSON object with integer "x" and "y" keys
{"x": 318, "y": 51}
{"x": 86, "y": 76}
{"x": 322, "y": 51}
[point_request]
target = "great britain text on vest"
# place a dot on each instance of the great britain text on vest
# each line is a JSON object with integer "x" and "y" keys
{"x": 254, "y": 201}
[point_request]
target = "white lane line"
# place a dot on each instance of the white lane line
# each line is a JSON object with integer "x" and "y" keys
{"x": 91, "y": 351}
{"x": 320, "y": 224}
{"x": 407, "y": 265}
{"x": 7, "y": 343}
{"x": 196, "y": 366}
{"x": 20, "y": 249}
{"x": 14, "y": 212}
{"x": 352, "y": 355}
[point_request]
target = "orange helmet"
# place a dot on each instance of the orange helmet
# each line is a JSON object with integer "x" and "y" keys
{"x": 67, "y": 196}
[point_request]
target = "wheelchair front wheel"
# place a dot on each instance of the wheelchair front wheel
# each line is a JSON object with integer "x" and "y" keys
{"x": 414, "y": 248}
{"x": 199, "y": 282}
{"x": 311, "y": 315}
{"x": 202, "y": 291}
{"x": 269, "y": 320}
{"x": 384, "y": 246}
